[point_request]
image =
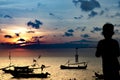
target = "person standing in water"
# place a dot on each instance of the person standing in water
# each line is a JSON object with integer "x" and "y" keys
{"x": 109, "y": 50}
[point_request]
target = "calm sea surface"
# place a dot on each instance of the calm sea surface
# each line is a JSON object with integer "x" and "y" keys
{"x": 53, "y": 58}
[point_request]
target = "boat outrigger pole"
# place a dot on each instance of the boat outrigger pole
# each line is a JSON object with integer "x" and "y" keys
{"x": 76, "y": 55}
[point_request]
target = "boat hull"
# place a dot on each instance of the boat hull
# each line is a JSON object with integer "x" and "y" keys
{"x": 73, "y": 67}
{"x": 30, "y": 75}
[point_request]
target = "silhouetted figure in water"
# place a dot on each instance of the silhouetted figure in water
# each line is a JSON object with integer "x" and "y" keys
{"x": 108, "y": 49}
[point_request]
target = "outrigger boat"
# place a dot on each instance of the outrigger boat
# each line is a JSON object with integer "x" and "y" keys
{"x": 26, "y": 71}
{"x": 13, "y": 68}
{"x": 76, "y": 65}
{"x": 19, "y": 69}
{"x": 27, "y": 74}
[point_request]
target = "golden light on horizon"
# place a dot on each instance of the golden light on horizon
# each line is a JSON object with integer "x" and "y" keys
{"x": 15, "y": 33}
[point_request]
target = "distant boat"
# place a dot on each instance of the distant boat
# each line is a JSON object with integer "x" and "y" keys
{"x": 76, "y": 65}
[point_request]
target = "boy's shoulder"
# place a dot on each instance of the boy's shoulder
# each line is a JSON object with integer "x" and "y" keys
{"x": 111, "y": 40}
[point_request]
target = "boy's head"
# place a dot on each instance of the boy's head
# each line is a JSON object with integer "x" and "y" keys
{"x": 108, "y": 30}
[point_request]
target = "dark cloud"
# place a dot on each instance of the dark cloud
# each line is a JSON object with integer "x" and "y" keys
{"x": 4, "y": 2}
{"x": 36, "y": 38}
{"x": 85, "y": 35}
{"x": 102, "y": 12}
{"x": 76, "y": 2}
{"x": 51, "y": 14}
{"x": 117, "y": 31}
{"x": 117, "y": 14}
{"x": 17, "y": 34}
{"x": 41, "y": 36}
{"x": 30, "y": 31}
{"x": 8, "y": 16}
{"x": 69, "y": 33}
{"x": 54, "y": 15}
{"x": 21, "y": 39}
{"x": 79, "y": 17}
{"x": 117, "y": 25}
{"x": 92, "y": 14}
{"x": 119, "y": 4}
{"x": 106, "y": 9}
{"x": 55, "y": 28}
{"x": 35, "y": 24}
{"x": 114, "y": 15}
{"x": 81, "y": 28}
{"x": 96, "y": 29}
{"x": 39, "y": 4}
{"x": 8, "y": 36}
{"x": 87, "y": 5}
{"x": 78, "y": 28}
{"x": 71, "y": 30}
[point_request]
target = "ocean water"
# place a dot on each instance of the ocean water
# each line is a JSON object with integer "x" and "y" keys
{"x": 53, "y": 58}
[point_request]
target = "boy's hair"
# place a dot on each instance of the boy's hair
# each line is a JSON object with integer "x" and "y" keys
{"x": 108, "y": 27}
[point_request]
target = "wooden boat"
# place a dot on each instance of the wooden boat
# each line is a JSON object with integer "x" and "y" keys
{"x": 76, "y": 65}
{"x": 25, "y": 72}
{"x": 19, "y": 69}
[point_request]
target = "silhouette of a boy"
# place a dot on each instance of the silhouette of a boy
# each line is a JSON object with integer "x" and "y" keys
{"x": 108, "y": 49}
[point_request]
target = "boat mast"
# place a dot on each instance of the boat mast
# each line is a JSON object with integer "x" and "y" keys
{"x": 76, "y": 55}
{"x": 10, "y": 58}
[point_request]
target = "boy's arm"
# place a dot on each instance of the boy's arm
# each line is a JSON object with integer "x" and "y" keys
{"x": 98, "y": 51}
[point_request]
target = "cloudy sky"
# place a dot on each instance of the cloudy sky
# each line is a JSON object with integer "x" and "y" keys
{"x": 56, "y": 21}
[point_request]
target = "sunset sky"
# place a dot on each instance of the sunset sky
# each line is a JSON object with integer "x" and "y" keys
{"x": 56, "y": 21}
